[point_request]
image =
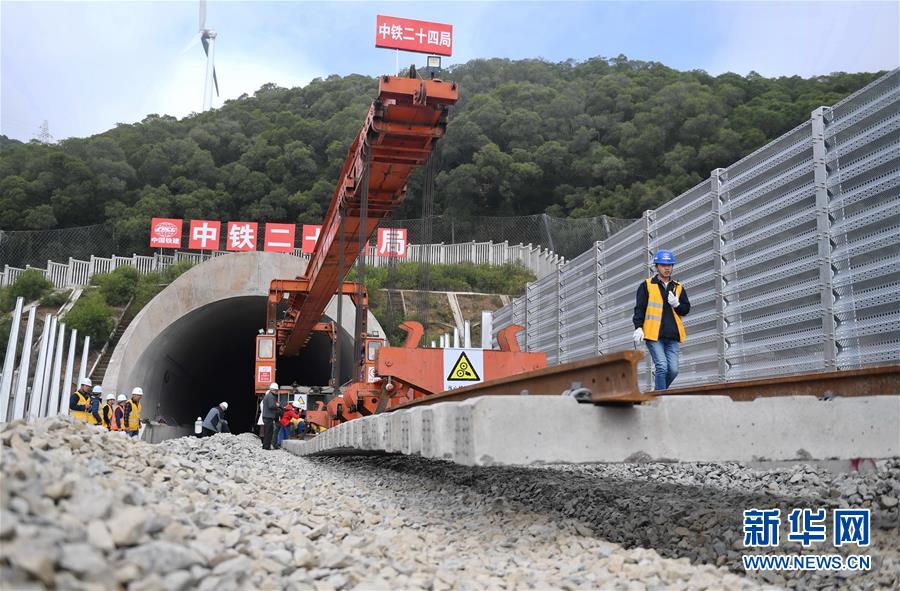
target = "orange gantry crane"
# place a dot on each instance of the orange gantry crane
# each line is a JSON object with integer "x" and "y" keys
{"x": 402, "y": 126}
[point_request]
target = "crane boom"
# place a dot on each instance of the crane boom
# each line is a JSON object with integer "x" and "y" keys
{"x": 404, "y": 122}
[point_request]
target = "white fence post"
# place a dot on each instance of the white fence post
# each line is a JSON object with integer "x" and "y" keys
{"x": 9, "y": 360}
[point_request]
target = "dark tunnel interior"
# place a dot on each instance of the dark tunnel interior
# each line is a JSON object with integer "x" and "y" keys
{"x": 207, "y": 357}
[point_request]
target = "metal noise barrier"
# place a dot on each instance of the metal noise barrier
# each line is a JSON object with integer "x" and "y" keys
{"x": 790, "y": 257}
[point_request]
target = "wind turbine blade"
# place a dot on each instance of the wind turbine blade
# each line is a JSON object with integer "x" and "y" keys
{"x": 205, "y": 40}
{"x": 216, "y": 80}
{"x": 194, "y": 40}
{"x": 202, "y": 15}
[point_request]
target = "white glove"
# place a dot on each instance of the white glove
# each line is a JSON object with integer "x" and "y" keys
{"x": 638, "y": 335}
{"x": 673, "y": 299}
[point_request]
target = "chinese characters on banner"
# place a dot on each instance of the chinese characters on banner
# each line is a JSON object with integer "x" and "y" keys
{"x": 393, "y": 32}
{"x": 244, "y": 236}
{"x": 392, "y": 242}
{"x": 280, "y": 237}
{"x": 241, "y": 236}
{"x": 309, "y": 237}
{"x": 204, "y": 235}
{"x": 165, "y": 233}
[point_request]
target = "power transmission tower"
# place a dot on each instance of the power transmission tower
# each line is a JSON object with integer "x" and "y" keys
{"x": 44, "y": 137}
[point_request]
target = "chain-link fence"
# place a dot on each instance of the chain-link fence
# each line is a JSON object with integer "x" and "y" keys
{"x": 565, "y": 237}
{"x": 36, "y": 247}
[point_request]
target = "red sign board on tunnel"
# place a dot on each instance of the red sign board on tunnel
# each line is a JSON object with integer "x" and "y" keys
{"x": 241, "y": 236}
{"x": 393, "y": 32}
{"x": 280, "y": 237}
{"x": 204, "y": 235}
{"x": 165, "y": 233}
{"x": 309, "y": 238}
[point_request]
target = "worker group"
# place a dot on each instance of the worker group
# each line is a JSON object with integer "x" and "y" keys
{"x": 115, "y": 413}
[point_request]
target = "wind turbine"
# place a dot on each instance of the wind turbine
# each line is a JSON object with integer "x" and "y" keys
{"x": 208, "y": 38}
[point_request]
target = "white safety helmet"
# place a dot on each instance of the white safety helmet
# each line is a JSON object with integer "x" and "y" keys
{"x": 273, "y": 386}
{"x": 137, "y": 391}
{"x": 84, "y": 382}
{"x": 296, "y": 405}
{"x": 110, "y": 396}
{"x": 121, "y": 398}
{"x": 224, "y": 405}
{"x": 97, "y": 390}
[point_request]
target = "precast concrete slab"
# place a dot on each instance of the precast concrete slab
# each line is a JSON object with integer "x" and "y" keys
{"x": 556, "y": 429}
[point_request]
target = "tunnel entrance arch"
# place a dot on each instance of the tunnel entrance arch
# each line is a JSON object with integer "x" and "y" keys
{"x": 192, "y": 346}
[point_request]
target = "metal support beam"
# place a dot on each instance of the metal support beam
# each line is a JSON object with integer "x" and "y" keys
{"x": 10, "y": 360}
{"x": 823, "y": 237}
{"x": 37, "y": 385}
{"x": 43, "y": 409}
{"x": 70, "y": 368}
{"x": 53, "y": 394}
{"x": 716, "y": 179}
{"x": 24, "y": 365}
{"x": 82, "y": 370}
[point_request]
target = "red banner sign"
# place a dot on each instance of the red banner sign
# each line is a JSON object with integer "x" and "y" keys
{"x": 280, "y": 237}
{"x": 309, "y": 238}
{"x": 394, "y": 32}
{"x": 204, "y": 235}
{"x": 241, "y": 236}
{"x": 165, "y": 233}
{"x": 392, "y": 242}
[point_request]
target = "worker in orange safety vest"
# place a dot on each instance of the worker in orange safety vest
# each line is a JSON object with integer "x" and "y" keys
{"x": 132, "y": 410}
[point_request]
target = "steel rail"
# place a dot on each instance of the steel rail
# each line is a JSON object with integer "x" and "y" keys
{"x": 870, "y": 381}
{"x": 612, "y": 380}
{"x": 608, "y": 379}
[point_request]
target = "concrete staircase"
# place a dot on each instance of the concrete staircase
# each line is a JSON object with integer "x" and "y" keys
{"x": 99, "y": 370}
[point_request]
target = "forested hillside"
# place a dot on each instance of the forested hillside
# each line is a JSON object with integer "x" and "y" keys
{"x": 604, "y": 136}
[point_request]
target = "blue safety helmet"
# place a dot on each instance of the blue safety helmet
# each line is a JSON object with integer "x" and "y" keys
{"x": 664, "y": 257}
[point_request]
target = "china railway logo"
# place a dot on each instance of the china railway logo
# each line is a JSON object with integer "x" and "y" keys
{"x": 463, "y": 370}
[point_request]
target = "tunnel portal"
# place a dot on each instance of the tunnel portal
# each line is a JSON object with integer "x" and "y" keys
{"x": 192, "y": 346}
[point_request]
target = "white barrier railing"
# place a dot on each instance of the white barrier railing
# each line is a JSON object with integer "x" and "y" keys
{"x": 75, "y": 273}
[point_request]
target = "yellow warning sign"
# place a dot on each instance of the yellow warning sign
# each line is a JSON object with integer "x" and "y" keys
{"x": 463, "y": 371}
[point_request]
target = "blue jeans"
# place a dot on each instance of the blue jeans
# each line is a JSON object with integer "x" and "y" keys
{"x": 664, "y": 353}
{"x": 283, "y": 433}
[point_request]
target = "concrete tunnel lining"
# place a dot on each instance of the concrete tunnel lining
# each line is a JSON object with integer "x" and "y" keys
{"x": 192, "y": 346}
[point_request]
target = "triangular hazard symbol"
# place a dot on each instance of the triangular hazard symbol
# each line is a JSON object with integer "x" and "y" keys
{"x": 463, "y": 371}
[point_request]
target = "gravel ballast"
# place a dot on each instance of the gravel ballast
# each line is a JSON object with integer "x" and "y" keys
{"x": 81, "y": 508}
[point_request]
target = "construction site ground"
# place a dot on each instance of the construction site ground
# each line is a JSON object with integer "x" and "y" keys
{"x": 88, "y": 509}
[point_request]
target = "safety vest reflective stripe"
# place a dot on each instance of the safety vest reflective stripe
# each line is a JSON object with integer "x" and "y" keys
{"x": 134, "y": 417}
{"x": 109, "y": 414}
{"x": 652, "y": 322}
{"x": 80, "y": 414}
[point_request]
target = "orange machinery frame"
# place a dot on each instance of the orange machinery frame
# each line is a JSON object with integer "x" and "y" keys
{"x": 404, "y": 122}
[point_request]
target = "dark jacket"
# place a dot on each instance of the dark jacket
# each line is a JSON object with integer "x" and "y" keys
{"x": 668, "y": 329}
{"x": 270, "y": 405}
{"x": 96, "y": 403}
{"x": 73, "y": 402}
{"x": 214, "y": 419}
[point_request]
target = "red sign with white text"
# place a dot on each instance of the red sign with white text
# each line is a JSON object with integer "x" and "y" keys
{"x": 241, "y": 236}
{"x": 309, "y": 238}
{"x": 280, "y": 237}
{"x": 204, "y": 235}
{"x": 394, "y": 32}
{"x": 392, "y": 242}
{"x": 165, "y": 233}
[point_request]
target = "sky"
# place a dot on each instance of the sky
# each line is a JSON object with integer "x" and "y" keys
{"x": 86, "y": 66}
